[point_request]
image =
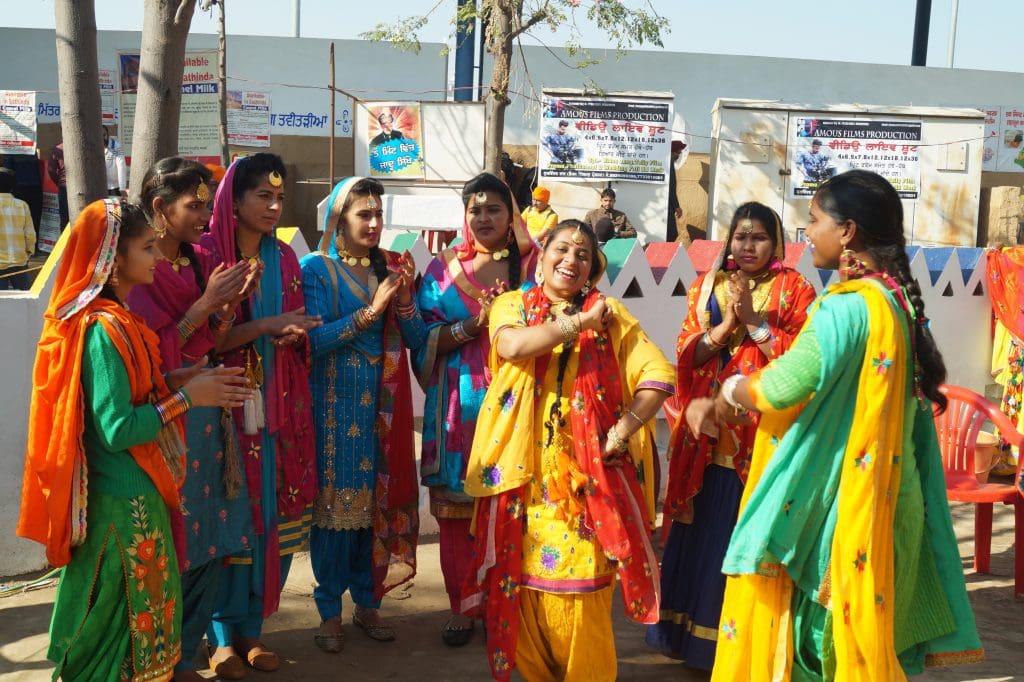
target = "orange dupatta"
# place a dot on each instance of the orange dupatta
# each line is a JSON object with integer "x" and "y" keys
{"x": 55, "y": 481}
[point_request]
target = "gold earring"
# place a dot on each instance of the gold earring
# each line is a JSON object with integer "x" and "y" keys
{"x": 160, "y": 226}
{"x": 113, "y": 280}
{"x": 851, "y": 267}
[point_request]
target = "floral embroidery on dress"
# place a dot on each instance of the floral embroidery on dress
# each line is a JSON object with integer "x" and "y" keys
{"x": 863, "y": 461}
{"x": 861, "y": 561}
{"x": 155, "y": 640}
{"x": 549, "y": 557}
{"x": 730, "y": 630}
{"x": 881, "y": 363}
{"x": 491, "y": 475}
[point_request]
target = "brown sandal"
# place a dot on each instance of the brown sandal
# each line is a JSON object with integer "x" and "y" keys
{"x": 230, "y": 667}
{"x": 260, "y": 657}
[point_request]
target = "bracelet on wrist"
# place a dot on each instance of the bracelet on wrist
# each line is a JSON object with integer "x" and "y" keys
{"x": 219, "y": 324}
{"x": 636, "y": 417}
{"x": 710, "y": 342}
{"x": 186, "y": 328}
{"x": 729, "y": 389}
{"x": 618, "y": 443}
{"x": 407, "y": 311}
{"x": 762, "y": 334}
{"x": 570, "y": 332}
{"x": 172, "y": 406}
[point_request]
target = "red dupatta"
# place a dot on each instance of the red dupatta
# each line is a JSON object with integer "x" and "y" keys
{"x": 396, "y": 514}
{"x": 612, "y": 498}
{"x": 1005, "y": 288}
{"x": 785, "y": 314}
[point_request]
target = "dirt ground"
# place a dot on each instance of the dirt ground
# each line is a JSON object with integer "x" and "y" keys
{"x": 420, "y": 611}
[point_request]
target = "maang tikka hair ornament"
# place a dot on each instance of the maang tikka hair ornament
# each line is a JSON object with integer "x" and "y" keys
{"x": 203, "y": 192}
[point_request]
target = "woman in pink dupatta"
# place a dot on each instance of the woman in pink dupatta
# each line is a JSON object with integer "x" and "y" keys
{"x": 189, "y": 314}
{"x": 496, "y": 253}
{"x": 275, "y": 431}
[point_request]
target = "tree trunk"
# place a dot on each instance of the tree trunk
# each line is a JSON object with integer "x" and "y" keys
{"x": 165, "y": 26}
{"x": 80, "y": 117}
{"x": 222, "y": 74}
{"x": 499, "y": 44}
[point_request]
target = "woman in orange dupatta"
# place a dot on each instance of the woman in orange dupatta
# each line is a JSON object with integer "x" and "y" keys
{"x": 105, "y": 456}
{"x": 742, "y": 313}
{"x": 562, "y": 468}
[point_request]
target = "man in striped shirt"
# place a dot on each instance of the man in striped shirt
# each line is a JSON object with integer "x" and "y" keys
{"x": 17, "y": 235}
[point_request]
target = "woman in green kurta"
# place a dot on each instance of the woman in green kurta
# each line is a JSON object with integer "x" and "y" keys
{"x": 105, "y": 457}
{"x": 843, "y": 564}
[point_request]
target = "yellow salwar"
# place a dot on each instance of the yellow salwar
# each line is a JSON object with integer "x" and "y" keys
{"x": 566, "y": 637}
{"x": 756, "y": 632}
{"x": 567, "y": 580}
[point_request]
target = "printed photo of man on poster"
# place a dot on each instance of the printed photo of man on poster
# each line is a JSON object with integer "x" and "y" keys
{"x": 395, "y": 140}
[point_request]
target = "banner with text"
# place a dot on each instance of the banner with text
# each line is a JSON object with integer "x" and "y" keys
{"x": 17, "y": 122}
{"x": 605, "y": 138}
{"x": 825, "y": 147}
{"x": 395, "y": 135}
{"x": 108, "y": 96}
{"x": 199, "y": 127}
{"x": 248, "y": 118}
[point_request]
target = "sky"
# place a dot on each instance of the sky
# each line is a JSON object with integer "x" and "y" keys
{"x": 874, "y": 31}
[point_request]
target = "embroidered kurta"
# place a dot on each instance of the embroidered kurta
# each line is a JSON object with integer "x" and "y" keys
{"x": 844, "y": 559}
{"x": 345, "y": 380}
{"x": 454, "y": 384}
{"x": 117, "y": 613}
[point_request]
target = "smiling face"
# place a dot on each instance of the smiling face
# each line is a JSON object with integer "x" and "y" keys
{"x": 566, "y": 265}
{"x": 260, "y": 208}
{"x": 136, "y": 258}
{"x": 386, "y": 123}
{"x": 361, "y": 223}
{"x": 489, "y": 221}
{"x": 751, "y": 246}
{"x": 826, "y": 237}
{"x": 185, "y": 218}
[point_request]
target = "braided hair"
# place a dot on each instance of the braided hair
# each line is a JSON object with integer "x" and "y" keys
{"x": 575, "y": 306}
{"x": 869, "y": 201}
{"x": 364, "y": 188}
{"x": 168, "y": 179}
{"x": 488, "y": 182}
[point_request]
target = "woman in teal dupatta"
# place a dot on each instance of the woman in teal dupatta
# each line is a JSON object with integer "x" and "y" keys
{"x": 366, "y": 519}
{"x": 275, "y": 431}
{"x": 843, "y": 564}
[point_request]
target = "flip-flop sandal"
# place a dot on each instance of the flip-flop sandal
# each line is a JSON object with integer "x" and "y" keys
{"x": 330, "y": 642}
{"x": 261, "y": 658}
{"x": 457, "y": 635}
{"x": 231, "y": 668}
{"x": 381, "y": 633}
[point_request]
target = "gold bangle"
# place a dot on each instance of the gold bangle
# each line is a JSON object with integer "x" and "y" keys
{"x": 635, "y": 416}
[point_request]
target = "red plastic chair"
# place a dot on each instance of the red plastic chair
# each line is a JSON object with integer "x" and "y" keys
{"x": 958, "y": 429}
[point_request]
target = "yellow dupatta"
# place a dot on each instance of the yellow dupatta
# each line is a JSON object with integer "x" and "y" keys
{"x": 756, "y": 630}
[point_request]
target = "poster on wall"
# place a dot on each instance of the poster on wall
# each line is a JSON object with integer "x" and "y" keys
{"x": 825, "y": 147}
{"x": 108, "y": 96}
{"x": 1010, "y": 143}
{"x": 395, "y": 136}
{"x": 17, "y": 122}
{"x": 248, "y": 118}
{"x": 588, "y": 139}
{"x": 990, "y": 145}
{"x": 199, "y": 126}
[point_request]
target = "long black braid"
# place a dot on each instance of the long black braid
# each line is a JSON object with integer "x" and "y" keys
{"x": 575, "y": 306}
{"x": 870, "y": 201}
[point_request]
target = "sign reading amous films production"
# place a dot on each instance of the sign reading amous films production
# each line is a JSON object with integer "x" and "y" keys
{"x": 825, "y": 147}
{"x": 605, "y": 138}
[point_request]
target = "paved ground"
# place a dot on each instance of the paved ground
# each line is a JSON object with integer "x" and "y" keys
{"x": 419, "y": 612}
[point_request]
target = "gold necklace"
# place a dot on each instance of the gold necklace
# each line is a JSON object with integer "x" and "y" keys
{"x": 350, "y": 260}
{"x": 253, "y": 260}
{"x": 180, "y": 261}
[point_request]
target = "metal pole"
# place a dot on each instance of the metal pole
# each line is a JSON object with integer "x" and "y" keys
{"x": 222, "y": 76}
{"x": 296, "y": 13}
{"x": 922, "y": 18}
{"x": 951, "y": 49}
{"x": 330, "y": 161}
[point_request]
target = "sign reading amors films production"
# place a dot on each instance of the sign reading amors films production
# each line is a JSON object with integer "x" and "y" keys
{"x": 608, "y": 138}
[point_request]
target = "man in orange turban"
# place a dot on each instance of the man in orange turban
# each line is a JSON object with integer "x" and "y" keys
{"x": 540, "y": 217}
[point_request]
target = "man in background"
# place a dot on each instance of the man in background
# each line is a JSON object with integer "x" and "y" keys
{"x": 675, "y": 211}
{"x": 58, "y": 173}
{"x": 117, "y": 169}
{"x": 620, "y": 226}
{"x": 17, "y": 235}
